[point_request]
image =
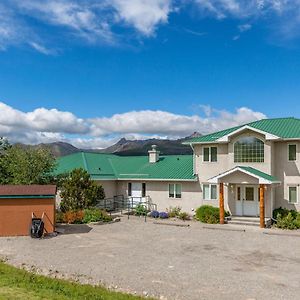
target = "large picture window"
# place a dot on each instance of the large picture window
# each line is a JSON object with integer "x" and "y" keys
{"x": 249, "y": 149}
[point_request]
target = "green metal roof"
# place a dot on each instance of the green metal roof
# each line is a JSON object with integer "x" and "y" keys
{"x": 259, "y": 173}
{"x": 285, "y": 128}
{"x": 113, "y": 167}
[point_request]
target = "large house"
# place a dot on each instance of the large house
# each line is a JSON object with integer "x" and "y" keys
{"x": 249, "y": 170}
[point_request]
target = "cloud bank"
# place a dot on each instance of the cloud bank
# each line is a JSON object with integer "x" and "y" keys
{"x": 111, "y": 21}
{"x": 48, "y": 125}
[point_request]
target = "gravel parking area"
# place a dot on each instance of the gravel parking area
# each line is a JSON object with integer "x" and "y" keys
{"x": 168, "y": 262}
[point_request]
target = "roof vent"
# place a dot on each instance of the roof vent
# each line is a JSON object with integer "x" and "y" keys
{"x": 153, "y": 154}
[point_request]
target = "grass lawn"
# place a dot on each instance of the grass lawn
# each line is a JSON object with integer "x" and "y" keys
{"x": 20, "y": 284}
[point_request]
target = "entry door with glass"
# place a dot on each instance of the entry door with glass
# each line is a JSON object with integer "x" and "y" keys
{"x": 247, "y": 201}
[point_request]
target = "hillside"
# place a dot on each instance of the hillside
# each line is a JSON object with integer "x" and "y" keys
{"x": 123, "y": 147}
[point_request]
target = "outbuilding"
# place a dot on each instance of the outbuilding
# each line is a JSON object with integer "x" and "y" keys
{"x": 19, "y": 203}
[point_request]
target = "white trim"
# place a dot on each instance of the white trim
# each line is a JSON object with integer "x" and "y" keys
{"x": 267, "y": 135}
{"x": 156, "y": 179}
{"x": 261, "y": 180}
{"x": 288, "y": 195}
{"x": 288, "y": 152}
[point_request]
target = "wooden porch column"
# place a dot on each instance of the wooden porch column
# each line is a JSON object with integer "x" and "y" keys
{"x": 221, "y": 203}
{"x": 262, "y": 205}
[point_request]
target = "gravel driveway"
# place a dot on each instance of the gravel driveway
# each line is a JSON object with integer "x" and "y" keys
{"x": 168, "y": 262}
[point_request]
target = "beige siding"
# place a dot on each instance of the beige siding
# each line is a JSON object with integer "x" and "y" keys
{"x": 288, "y": 172}
{"x": 159, "y": 193}
{"x": 109, "y": 186}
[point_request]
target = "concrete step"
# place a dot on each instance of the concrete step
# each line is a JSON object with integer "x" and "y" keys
{"x": 248, "y": 221}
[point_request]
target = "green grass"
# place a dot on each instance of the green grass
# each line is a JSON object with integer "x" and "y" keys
{"x": 20, "y": 284}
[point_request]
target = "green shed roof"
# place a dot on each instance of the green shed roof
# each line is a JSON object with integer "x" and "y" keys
{"x": 284, "y": 128}
{"x": 113, "y": 167}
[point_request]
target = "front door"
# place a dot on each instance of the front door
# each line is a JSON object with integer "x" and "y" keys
{"x": 247, "y": 200}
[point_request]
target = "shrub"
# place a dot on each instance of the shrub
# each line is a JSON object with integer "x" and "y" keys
{"x": 184, "y": 216}
{"x": 59, "y": 217}
{"x": 154, "y": 214}
{"x": 163, "y": 215}
{"x": 284, "y": 212}
{"x": 288, "y": 222}
{"x": 174, "y": 212}
{"x": 208, "y": 214}
{"x": 73, "y": 217}
{"x": 96, "y": 215}
{"x": 79, "y": 191}
{"x": 140, "y": 210}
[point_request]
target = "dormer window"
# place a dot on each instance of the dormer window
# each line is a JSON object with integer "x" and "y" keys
{"x": 210, "y": 154}
{"x": 249, "y": 149}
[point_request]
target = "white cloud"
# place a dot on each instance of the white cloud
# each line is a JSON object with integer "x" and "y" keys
{"x": 49, "y": 125}
{"x": 98, "y": 22}
{"x": 144, "y": 15}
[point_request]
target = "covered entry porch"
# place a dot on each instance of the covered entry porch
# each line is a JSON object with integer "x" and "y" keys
{"x": 246, "y": 191}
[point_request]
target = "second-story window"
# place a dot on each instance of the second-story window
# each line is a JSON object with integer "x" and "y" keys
{"x": 210, "y": 154}
{"x": 292, "y": 152}
{"x": 249, "y": 149}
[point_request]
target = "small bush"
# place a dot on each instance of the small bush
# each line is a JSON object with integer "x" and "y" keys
{"x": 59, "y": 217}
{"x": 154, "y": 214}
{"x": 288, "y": 222}
{"x": 163, "y": 215}
{"x": 174, "y": 212}
{"x": 96, "y": 215}
{"x": 184, "y": 216}
{"x": 73, "y": 217}
{"x": 208, "y": 214}
{"x": 140, "y": 210}
{"x": 284, "y": 212}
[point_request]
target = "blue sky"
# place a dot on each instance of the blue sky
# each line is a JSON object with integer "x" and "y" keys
{"x": 89, "y": 72}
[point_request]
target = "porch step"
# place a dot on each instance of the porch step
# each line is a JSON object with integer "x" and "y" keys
{"x": 248, "y": 221}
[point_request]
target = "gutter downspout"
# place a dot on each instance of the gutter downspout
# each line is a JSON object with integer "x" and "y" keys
{"x": 194, "y": 167}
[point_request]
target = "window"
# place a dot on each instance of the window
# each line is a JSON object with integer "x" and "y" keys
{"x": 249, "y": 191}
{"x": 129, "y": 189}
{"x": 292, "y": 152}
{"x": 210, "y": 192}
{"x": 238, "y": 192}
{"x": 249, "y": 149}
{"x": 293, "y": 197}
{"x": 174, "y": 190}
{"x": 210, "y": 154}
{"x": 143, "y": 189}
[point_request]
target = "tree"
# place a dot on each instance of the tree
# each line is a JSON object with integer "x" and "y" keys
{"x": 78, "y": 191}
{"x": 26, "y": 166}
{"x": 4, "y": 146}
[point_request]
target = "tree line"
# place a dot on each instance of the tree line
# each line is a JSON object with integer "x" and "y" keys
{"x": 19, "y": 165}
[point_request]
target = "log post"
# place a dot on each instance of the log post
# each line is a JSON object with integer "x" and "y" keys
{"x": 221, "y": 203}
{"x": 262, "y": 205}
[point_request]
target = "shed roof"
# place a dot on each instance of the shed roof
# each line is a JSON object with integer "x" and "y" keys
{"x": 8, "y": 191}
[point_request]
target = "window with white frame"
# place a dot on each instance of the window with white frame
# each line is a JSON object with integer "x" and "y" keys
{"x": 174, "y": 190}
{"x": 292, "y": 152}
{"x": 293, "y": 194}
{"x": 210, "y": 154}
{"x": 210, "y": 192}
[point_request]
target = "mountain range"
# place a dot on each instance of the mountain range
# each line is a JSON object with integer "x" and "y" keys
{"x": 123, "y": 147}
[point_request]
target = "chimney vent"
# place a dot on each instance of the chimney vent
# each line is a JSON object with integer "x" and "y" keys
{"x": 153, "y": 154}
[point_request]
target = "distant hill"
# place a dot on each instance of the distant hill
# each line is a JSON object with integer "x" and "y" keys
{"x": 124, "y": 147}
{"x": 57, "y": 148}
